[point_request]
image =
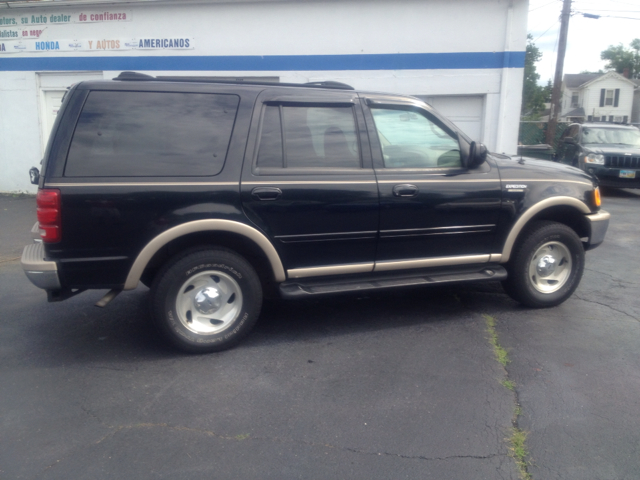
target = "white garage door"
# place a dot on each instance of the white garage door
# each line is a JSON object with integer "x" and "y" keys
{"x": 465, "y": 111}
{"x": 53, "y": 86}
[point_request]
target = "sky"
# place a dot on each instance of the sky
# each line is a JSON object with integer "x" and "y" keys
{"x": 587, "y": 37}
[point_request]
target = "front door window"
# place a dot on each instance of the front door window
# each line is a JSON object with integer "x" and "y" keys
{"x": 410, "y": 140}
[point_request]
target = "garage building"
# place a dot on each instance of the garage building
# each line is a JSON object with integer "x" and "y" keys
{"x": 464, "y": 57}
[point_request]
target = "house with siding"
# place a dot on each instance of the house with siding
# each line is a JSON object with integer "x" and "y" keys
{"x": 597, "y": 97}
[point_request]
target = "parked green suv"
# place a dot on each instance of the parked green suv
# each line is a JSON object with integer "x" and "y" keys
{"x": 609, "y": 152}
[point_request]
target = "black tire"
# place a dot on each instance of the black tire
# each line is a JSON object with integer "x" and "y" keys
{"x": 546, "y": 265}
{"x": 206, "y": 300}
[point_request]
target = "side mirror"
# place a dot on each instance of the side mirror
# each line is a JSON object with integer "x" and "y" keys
{"x": 477, "y": 155}
{"x": 34, "y": 174}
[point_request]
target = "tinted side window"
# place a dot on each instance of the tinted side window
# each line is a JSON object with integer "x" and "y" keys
{"x": 270, "y": 153}
{"x": 411, "y": 140}
{"x": 313, "y": 137}
{"x": 152, "y": 134}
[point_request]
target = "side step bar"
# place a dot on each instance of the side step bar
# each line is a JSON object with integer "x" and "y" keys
{"x": 300, "y": 288}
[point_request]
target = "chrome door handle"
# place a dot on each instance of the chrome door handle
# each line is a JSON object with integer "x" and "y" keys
{"x": 405, "y": 190}
{"x": 266, "y": 193}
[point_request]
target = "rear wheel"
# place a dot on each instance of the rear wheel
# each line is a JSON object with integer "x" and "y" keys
{"x": 206, "y": 300}
{"x": 546, "y": 266}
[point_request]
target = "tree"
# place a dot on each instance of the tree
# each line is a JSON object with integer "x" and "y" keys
{"x": 619, "y": 58}
{"x": 533, "y": 95}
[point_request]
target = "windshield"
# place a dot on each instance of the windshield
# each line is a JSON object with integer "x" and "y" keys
{"x": 611, "y": 136}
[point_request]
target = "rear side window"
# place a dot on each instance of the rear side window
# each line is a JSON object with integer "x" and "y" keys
{"x": 152, "y": 134}
{"x": 313, "y": 137}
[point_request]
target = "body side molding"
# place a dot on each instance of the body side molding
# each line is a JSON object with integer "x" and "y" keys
{"x": 531, "y": 212}
{"x": 165, "y": 237}
{"x": 330, "y": 270}
{"x": 390, "y": 265}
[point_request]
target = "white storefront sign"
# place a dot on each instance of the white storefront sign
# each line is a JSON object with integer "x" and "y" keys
{"x": 63, "y": 18}
{"x": 73, "y": 45}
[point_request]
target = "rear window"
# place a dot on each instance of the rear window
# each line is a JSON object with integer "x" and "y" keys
{"x": 152, "y": 134}
{"x": 313, "y": 137}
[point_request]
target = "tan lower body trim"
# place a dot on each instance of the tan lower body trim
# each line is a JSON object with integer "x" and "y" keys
{"x": 392, "y": 265}
{"x": 430, "y": 262}
{"x": 332, "y": 270}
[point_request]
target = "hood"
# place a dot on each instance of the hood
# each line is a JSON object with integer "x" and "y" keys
{"x": 518, "y": 167}
{"x": 611, "y": 149}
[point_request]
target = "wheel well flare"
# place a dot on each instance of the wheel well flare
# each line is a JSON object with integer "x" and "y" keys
{"x": 184, "y": 230}
{"x": 567, "y": 210}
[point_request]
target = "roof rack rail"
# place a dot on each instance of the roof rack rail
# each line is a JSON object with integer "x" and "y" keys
{"x": 135, "y": 76}
{"x": 329, "y": 84}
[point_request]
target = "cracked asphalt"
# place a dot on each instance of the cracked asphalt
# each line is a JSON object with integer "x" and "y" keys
{"x": 397, "y": 385}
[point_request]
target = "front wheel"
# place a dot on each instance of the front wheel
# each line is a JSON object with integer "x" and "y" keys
{"x": 546, "y": 266}
{"x": 206, "y": 300}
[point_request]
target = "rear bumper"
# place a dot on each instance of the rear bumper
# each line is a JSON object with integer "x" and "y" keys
{"x": 42, "y": 273}
{"x": 599, "y": 223}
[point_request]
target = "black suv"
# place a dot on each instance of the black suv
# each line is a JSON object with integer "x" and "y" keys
{"x": 217, "y": 194}
{"x": 608, "y": 151}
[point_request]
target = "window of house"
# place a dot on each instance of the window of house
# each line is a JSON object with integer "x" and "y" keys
{"x": 574, "y": 99}
{"x": 411, "y": 140}
{"x": 608, "y": 98}
{"x": 308, "y": 136}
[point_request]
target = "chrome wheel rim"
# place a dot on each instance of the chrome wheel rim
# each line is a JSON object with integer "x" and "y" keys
{"x": 208, "y": 302}
{"x": 550, "y": 267}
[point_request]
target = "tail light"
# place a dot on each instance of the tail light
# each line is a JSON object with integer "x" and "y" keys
{"x": 49, "y": 214}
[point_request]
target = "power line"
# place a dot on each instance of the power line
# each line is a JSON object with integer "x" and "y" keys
{"x": 554, "y": 24}
{"x": 542, "y": 6}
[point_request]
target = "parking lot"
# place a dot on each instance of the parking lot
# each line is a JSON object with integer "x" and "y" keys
{"x": 397, "y": 385}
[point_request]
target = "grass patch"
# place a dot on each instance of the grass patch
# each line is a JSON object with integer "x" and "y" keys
{"x": 509, "y": 385}
{"x": 519, "y": 452}
{"x": 501, "y": 354}
{"x": 517, "y": 447}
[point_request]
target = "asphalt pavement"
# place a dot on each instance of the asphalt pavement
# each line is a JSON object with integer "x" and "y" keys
{"x": 398, "y": 385}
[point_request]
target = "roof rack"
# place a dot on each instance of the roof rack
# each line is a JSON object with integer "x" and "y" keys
{"x": 137, "y": 77}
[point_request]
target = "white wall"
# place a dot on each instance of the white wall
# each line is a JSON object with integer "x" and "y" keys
{"x": 287, "y": 39}
{"x": 19, "y": 130}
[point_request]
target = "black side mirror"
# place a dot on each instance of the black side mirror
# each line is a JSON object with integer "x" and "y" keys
{"x": 34, "y": 174}
{"x": 477, "y": 155}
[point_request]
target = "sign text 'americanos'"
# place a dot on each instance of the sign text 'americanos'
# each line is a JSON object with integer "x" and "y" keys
{"x": 97, "y": 44}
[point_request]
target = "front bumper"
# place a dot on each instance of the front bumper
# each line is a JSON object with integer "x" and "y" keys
{"x": 610, "y": 176}
{"x": 42, "y": 273}
{"x": 599, "y": 222}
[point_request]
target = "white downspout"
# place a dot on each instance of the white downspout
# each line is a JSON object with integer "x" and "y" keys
{"x": 504, "y": 82}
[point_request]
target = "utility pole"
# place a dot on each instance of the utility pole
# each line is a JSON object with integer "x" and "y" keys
{"x": 557, "y": 82}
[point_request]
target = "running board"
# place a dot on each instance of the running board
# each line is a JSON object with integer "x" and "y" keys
{"x": 299, "y": 288}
